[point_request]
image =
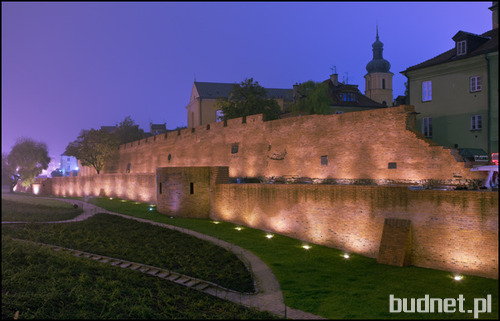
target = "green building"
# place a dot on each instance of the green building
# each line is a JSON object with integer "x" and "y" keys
{"x": 456, "y": 93}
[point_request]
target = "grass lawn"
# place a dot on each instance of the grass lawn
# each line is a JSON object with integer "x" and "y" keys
{"x": 321, "y": 281}
{"x": 25, "y": 208}
{"x": 39, "y": 283}
{"x": 135, "y": 241}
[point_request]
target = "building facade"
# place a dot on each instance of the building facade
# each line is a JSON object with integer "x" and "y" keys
{"x": 347, "y": 97}
{"x": 201, "y": 109}
{"x": 68, "y": 165}
{"x": 456, "y": 93}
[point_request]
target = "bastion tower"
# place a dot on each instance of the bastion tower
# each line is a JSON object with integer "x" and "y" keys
{"x": 378, "y": 80}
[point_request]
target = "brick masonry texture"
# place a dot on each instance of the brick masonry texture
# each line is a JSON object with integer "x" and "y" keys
{"x": 183, "y": 191}
{"x": 450, "y": 230}
{"x": 358, "y": 145}
{"x": 395, "y": 246}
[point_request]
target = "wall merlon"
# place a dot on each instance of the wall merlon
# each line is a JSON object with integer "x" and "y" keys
{"x": 295, "y": 146}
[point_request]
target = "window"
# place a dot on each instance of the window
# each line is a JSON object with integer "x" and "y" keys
{"x": 234, "y": 148}
{"x": 128, "y": 168}
{"x": 392, "y": 165}
{"x": 427, "y": 90}
{"x": 383, "y": 83}
{"x": 461, "y": 47}
{"x": 476, "y": 122}
{"x": 348, "y": 97}
{"x": 324, "y": 160}
{"x": 427, "y": 126}
{"x": 475, "y": 83}
{"x": 218, "y": 115}
{"x": 191, "y": 188}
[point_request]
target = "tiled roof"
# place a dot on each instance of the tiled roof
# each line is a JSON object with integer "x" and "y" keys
{"x": 489, "y": 46}
{"x": 216, "y": 90}
{"x": 336, "y": 94}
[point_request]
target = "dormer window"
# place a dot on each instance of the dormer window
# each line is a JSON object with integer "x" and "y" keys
{"x": 461, "y": 47}
{"x": 348, "y": 97}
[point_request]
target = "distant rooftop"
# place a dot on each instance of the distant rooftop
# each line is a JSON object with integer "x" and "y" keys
{"x": 217, "y": 90}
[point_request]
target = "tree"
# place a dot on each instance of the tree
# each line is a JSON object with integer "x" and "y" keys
{"x": 26, "y": 160}
{"x": 127, "y": 131}
{"x": 93, "y": 148}
{"x": 248, "y": 98}
{"x": 9, "y": 175}
{"x": 312, "y": 98}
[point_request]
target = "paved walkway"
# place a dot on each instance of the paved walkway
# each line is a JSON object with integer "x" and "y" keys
{"x": 268, "y": 296}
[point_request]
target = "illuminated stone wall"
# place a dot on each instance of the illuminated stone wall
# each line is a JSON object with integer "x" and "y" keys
{"x": 354, "y": 145}
{"x": 183, "y": 191}
{"x": 451, "y": 230}
{"x": 138, "y": 187}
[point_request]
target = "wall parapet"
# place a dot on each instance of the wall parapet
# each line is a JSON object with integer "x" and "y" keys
{"x": 379, "y": 145}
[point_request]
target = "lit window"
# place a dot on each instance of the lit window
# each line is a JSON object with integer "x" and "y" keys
{"x": 475, "y": 83}
{"x": 476, "y": 122}
{"x": 348, "y": 97}
{"x": 427, "y": 90}
{"x": 427, "y": 126}
{"x": 461, "y": 48}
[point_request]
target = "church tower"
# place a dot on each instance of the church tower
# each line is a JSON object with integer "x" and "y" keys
{"x": 378, "y": 80}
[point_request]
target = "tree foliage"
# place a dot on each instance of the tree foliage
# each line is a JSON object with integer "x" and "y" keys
{"x": 127, "y": 131}
{"x": 93, "y": 148}
{"x": 27, "y": 159}
{"x": 9, "y": 175}
{"x": 248, "y": 98}
{"x": 312, "y": 98}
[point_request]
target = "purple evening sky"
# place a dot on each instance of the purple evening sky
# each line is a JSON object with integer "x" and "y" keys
{"x": 81, "y": 65}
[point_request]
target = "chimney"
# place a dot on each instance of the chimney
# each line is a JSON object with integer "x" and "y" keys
{"x": 296, "y": 94}
{"x": 494, "y": 14}
{"x": 334, "y": 78}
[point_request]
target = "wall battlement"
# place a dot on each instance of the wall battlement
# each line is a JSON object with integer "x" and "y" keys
{"x": 378, "y": 145}
{"x": 231, "y": 123}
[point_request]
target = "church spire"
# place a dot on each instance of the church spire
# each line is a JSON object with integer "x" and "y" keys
{"x": 378, "y": 80}
{"x": 378, "y": 63}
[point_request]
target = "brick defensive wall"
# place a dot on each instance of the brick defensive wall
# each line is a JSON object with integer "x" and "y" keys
{"x": 180, "y": 172}
{"x": 380, "y": 145}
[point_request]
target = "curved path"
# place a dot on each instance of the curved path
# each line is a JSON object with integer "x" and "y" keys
{"x": 268, "y": 297}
